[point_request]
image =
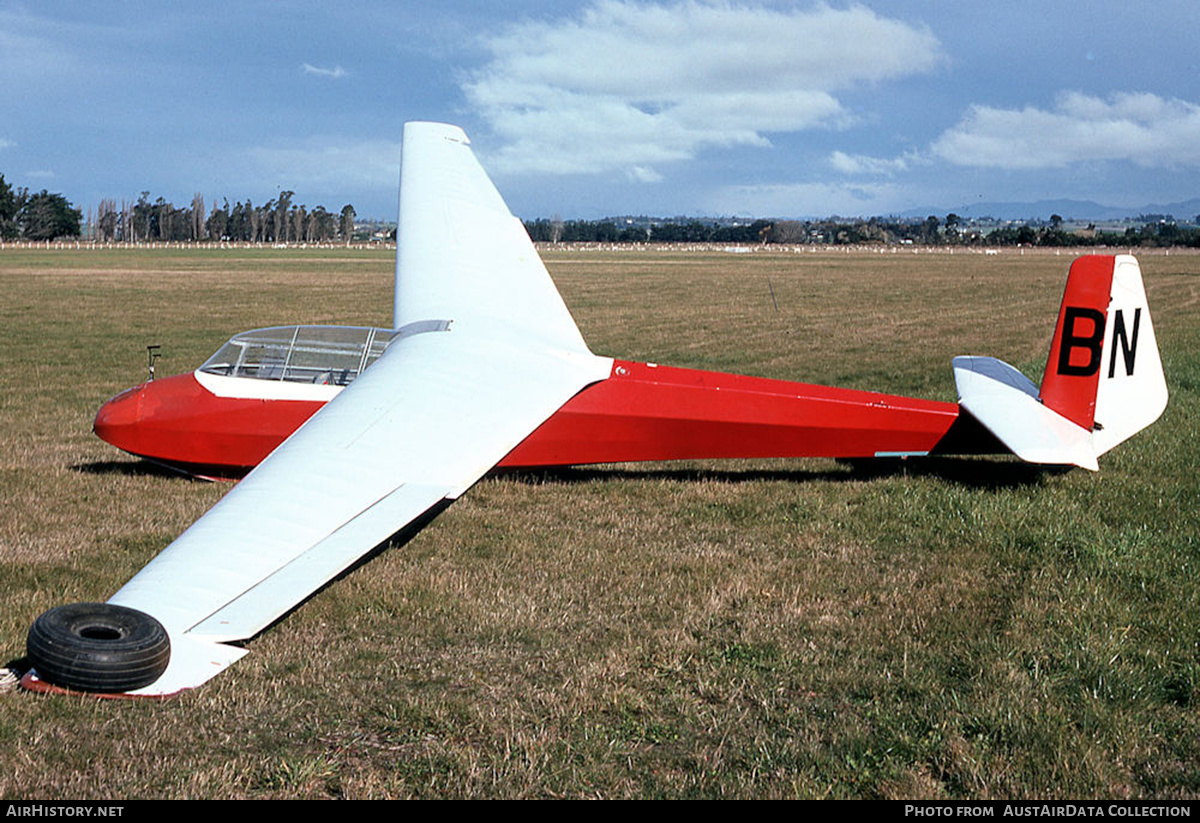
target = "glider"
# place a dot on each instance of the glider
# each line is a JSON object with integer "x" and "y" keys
{"x": 485, "y": 367}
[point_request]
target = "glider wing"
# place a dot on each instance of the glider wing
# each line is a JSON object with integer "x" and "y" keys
{"x": 487, "y": 352}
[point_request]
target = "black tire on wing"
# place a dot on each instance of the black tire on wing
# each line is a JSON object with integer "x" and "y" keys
{"x": 98, "y": 647}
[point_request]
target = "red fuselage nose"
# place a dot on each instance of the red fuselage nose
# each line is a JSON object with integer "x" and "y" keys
{"x": 117, "y": 420}
{"x": 179, "y": 422}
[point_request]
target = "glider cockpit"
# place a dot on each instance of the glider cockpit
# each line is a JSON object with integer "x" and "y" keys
{"x": 225, "y": 417}
{"x": 320, "y": 355}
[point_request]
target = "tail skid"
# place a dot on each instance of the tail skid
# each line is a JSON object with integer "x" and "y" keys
{"x": 1103, "y": 381}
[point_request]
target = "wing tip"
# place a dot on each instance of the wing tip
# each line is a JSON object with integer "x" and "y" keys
{"x": 431, "y": 130}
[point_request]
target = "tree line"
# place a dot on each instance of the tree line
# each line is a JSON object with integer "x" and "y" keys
{"x": 279, "y": 220}
{"x": 555, "y": 230}
{"x": 930, "y": 231}
{"x": 47, "y": 216}
{"x": 40, "y": 216}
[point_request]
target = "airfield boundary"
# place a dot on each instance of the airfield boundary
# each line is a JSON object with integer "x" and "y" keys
{"x": 632, "y": 248}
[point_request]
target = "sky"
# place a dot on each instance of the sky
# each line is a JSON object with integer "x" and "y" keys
{"x": 608, "y": 107}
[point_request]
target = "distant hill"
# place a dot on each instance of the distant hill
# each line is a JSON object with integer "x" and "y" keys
{"x": 1067, "y": 209}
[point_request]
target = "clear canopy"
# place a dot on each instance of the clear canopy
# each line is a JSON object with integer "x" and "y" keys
{"x": 324, "y": 355}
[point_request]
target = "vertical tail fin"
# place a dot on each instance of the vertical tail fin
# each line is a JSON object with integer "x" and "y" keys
{"x": 1104, "y": 372}
{"x": 1103, "y": 382}
{"x": 1073, "y": 368}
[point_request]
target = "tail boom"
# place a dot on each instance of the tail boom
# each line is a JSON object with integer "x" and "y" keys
{"x": 645, "y": 411}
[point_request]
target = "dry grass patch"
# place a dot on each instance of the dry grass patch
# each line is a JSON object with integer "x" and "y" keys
{"x": 956, "y": 628}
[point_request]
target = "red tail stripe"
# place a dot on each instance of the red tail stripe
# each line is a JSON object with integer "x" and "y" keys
{"x": 1072, "y": 373}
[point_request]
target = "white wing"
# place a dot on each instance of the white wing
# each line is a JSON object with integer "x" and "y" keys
{"x": 489, "y": 352}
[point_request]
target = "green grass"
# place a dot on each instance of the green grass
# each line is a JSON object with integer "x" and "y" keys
{"x": 969, "y": 628}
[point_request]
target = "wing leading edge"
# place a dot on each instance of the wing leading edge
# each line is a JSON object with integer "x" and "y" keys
{"x": 488, "y": 354}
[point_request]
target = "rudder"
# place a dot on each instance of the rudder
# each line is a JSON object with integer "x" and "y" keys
{"x": 1104, "y": 372}
{"x": 1103, "y": 381}
{"x": 1072, "y": 374}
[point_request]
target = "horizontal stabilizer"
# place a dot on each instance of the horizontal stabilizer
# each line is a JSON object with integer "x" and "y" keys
{"x": 1006, "y": 403}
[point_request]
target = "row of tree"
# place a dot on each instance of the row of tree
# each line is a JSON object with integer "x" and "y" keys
{"x": 556, "y": 230}
{"x": 279, "y": 220}
{"x": 46, "y": 216}
{"x": 881, "y": 231}
{"x": 41, "y": 216}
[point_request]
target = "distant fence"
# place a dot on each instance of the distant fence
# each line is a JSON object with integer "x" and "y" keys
{"x": 865, "y": 248}
{"x": 661, "y": 248}
{"x": 183, "y": 244}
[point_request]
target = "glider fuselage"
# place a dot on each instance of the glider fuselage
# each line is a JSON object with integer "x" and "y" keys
{"x": 224, "y": 426}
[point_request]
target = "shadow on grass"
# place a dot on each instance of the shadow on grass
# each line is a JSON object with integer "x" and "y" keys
{"x": 972, "y": 472}
{"x": 992, "y": 473}
{"x": 130, "y": 468}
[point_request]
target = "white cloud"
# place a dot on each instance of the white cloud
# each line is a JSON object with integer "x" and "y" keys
{"x": 6, "y": 144}
{"x": 861, "y": 164}
{"x": 643, "y": 174}
{"x": 807, "y": 199}
{"x": 631, "y": 85}
{"x": 335, "y": 73}
{"x": 1144, "y": 129}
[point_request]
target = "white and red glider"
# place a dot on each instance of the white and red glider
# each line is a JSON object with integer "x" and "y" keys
{"x": 484, "y": 368}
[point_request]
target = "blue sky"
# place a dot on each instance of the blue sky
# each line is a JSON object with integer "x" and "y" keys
{"x": 587, "y": 109}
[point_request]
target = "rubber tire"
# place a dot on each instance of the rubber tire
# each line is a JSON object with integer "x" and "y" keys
{"x": 98, "y": 647}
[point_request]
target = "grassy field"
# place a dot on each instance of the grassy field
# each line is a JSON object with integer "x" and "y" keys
{"x": 959, "y": 628}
